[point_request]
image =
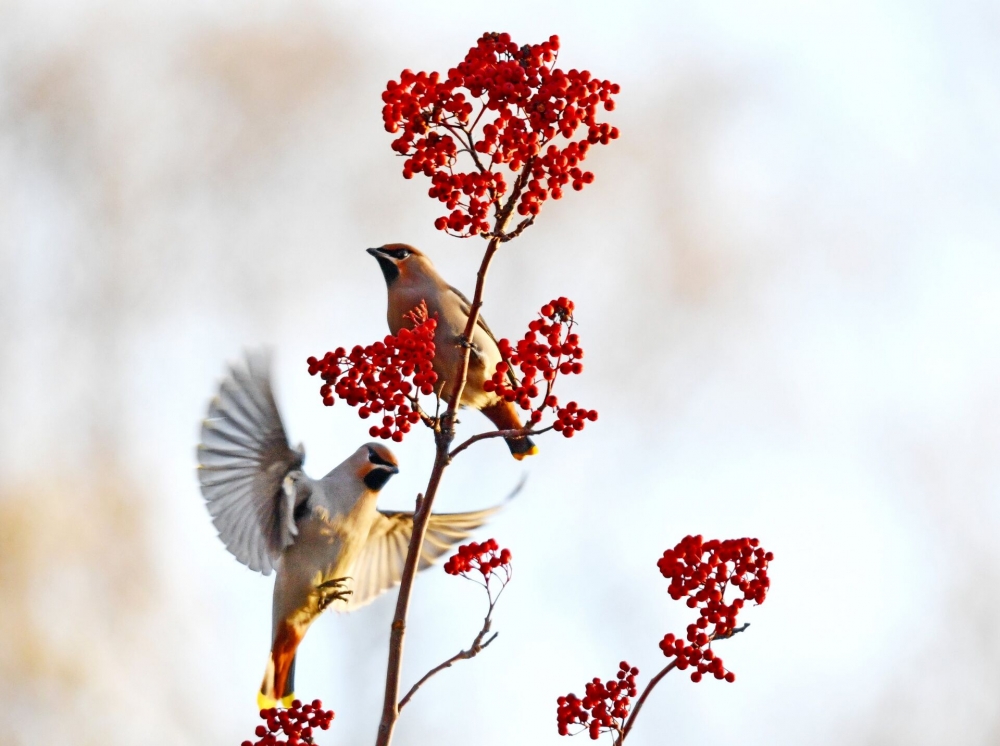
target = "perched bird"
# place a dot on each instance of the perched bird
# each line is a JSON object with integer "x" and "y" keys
{"x": 411, "y": 278}
{"x": 324, "y": 537}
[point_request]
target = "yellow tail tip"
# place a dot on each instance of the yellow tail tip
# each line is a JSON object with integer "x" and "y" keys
{"x": 264, "y": 702}
{"x": 530, "y": 452}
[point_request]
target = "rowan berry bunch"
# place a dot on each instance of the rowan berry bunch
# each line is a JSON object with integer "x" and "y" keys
{"x": 604, "y": 707}
{"x": 549, "y": 348}
{"x": 293, "y": 726}
{"x": 386, "y": 376}
{"x": 486, "y": 559}
{"x": 702, "y": 571}
{"x": 503, "y": 105}
{"x": 702, "y": 659}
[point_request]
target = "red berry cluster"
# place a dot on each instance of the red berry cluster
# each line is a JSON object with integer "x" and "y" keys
{"x": 602, "y": 705}
{"x": 296, "y": 724}
{"x": 548, "y": 349}
{"x": 486, "y": 558}
{"x": 383, "y": 377}
{"x": 702, "y": 571}
{"x": 703, "y": 660}
{"x": 529, "y": 102}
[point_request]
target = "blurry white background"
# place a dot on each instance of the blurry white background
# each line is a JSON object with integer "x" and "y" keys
{"x": 785, "y": 276}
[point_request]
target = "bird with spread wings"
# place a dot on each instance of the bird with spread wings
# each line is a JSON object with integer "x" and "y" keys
{"x": 325, "y": 538}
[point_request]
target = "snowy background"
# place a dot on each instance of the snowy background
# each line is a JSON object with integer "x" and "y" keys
{"x": 786, "y": 279}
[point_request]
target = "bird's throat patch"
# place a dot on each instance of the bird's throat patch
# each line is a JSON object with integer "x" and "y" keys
{"x": 389, "y": 269}
{"x": 375, "y": 479}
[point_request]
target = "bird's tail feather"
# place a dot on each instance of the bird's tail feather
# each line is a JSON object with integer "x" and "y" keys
{"x": 521, "y": 447}
{"x": 505, "y": 417}
{"x": 279, "y": 676}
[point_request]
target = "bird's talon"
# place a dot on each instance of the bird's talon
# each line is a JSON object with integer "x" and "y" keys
{"x": 332, "y": 590}
{"x": 335, "y": 583}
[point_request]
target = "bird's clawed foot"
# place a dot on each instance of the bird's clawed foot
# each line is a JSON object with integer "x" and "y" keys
{"x": 464, "y": 343}
{"x": 332, "y": 590}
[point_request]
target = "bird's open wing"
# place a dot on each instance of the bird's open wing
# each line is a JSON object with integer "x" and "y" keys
{"x": 243, "y": 459}
{"x": 379, "y": 567}
{"x": 481, "y": 323}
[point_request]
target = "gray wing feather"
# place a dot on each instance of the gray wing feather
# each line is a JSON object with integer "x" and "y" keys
{"x": 481, "y": 323}
{"x": 379, "y": 566}
{"x": 466, "y": 306}
{"x": 243, "y": 461}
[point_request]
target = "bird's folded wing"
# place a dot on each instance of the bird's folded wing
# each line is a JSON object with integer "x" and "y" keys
{"x": 243, "y": 459}
{"x": 379, "y": 567}
{"x": 466, "y": 306}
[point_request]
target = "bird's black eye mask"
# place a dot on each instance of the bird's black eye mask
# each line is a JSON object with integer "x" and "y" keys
{"x": 374, "y": 458}
{"x": 382, "y": 473}
{"x": 399, "y": 254}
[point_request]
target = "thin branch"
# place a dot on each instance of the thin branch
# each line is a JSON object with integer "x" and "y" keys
{"x": 656, "y": 680}
{"x": 642, "y": 698}
{"x": 475, "y": 649}
{"x": 550, "y": 383}
{"x": 503, "y": 217}
{"x": 482, "y": 110}
{"x": 443, "y": 436}
{"x": 477, "y": 299}
{"x": 429, "y": 421}
{"x": 468, "y": 142}
{"x": 527, "y": 222}
{"x": 517, "y": 432}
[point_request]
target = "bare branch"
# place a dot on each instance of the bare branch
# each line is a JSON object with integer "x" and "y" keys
{"x": 474, "y": 649}
{"x": 470, "y": 146}
{"x": 528, "y": 221}
{"x": 656, "y": 680}
{"x": 444, "y": 435}
{"x": 642, "y": 698}
{"x": 513, "y": 433}
{"x": 429, "y": 421}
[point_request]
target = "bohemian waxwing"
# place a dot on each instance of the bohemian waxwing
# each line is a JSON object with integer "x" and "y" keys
{"x": 411, "y": 278}
{"x": 325, "y": 537}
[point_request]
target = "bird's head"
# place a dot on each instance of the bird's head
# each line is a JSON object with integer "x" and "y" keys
{"x": 375, "y": 465}
{"x": 401, "y": 260}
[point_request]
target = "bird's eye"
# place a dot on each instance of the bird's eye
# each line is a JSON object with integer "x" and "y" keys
{"x": 399, "y": 253}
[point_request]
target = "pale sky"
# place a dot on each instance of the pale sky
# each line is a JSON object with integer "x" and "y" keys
{"x": 785, "y": 276}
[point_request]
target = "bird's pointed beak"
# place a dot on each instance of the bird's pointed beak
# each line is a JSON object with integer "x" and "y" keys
{"x": 377, "y": 253}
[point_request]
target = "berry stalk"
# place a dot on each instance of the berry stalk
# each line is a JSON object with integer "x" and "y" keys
{"x": 444, "y": 435}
